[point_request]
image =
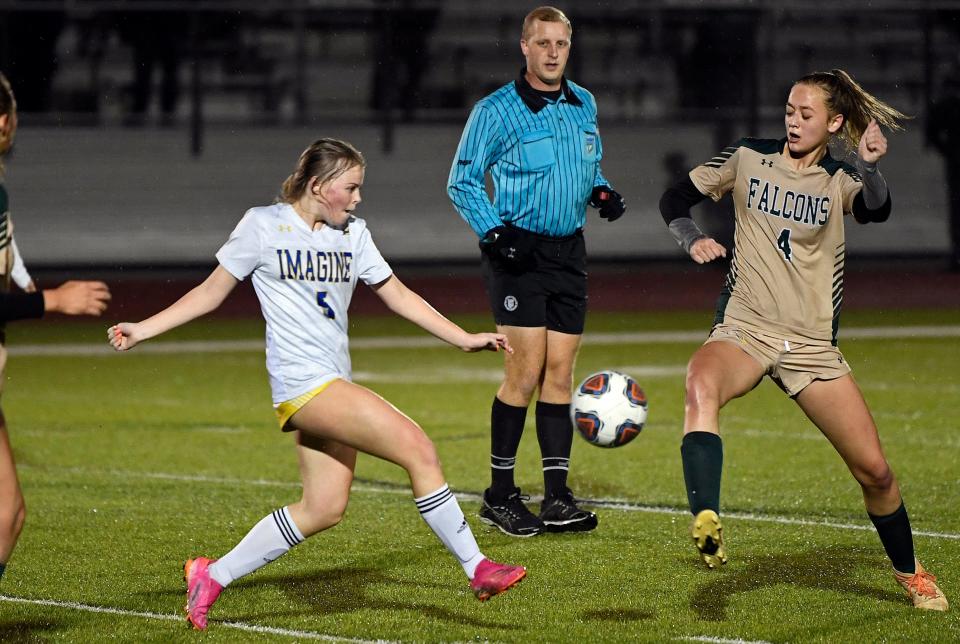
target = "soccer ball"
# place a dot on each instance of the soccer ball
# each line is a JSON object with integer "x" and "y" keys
{"x": 609, "y": 409}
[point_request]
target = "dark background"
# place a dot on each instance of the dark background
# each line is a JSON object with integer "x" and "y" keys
{"x": 148, "y": 127}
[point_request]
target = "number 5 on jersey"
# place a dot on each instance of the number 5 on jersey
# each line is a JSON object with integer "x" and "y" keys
{"x": 783, "y": 243}
{"x": 323, "y": 304}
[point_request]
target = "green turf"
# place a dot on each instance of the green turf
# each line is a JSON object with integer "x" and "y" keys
{"x": 130, "y": 463}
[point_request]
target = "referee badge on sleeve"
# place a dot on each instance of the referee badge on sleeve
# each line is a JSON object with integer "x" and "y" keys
{"x": 589, "y": 144}
{"x": 510, "y": 303}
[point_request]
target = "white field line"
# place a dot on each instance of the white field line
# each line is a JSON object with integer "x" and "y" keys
{"x": 167, "y": 617}
{"x": 420, "y": 342}
{"x": 270, "y": 630}
{"x": 373, "y": 488}
{"x": 444, "y": 375}
{"x": 718, "y": 640}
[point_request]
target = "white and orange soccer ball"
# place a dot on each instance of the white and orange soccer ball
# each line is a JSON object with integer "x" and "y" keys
{"x": 609, "y": 409}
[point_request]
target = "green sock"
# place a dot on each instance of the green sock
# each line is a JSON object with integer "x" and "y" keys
{"x": 702, "y": 455}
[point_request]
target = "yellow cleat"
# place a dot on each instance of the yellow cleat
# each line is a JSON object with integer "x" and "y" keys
{"x": 922, "y": 588}
{"x": 707, "y": 536}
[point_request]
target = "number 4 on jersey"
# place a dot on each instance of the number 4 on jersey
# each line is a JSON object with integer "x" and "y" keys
{"x": 322, "y": 303}
{"x": 783, "y": 243}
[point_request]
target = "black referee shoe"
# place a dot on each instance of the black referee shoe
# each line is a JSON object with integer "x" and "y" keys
{"x": 510, "y": 514}
{"x": 559, "y": 512}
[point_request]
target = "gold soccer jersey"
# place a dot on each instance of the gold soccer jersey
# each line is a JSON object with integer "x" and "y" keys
{"x": 786, "y": 274}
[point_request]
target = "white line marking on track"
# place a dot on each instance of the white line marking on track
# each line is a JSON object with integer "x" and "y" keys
{"x": 168, "y": 617}
{"x": 609, "y": 504}
{"x": 420, "y": 342}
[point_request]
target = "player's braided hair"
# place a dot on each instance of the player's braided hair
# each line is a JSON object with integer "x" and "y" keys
{"x": 8, "y": 106}
{"x": 325, "y": 159}
{"x": 846, "y": 97}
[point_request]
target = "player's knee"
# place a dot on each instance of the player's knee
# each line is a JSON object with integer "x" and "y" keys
{"x": 876, "y": 475}
{"x": 12, "y": 518}
{"x": 423, "y": 452}
{"x": 321, "y": 513}
{"x": 701, "y": 391}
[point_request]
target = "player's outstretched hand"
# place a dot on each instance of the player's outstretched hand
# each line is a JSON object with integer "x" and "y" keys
{"x": 486, "y": 341}
{"x": 123, "y": 336}
{"x": 706, "y": 250}
{"x": 77, "y": 297}
{"x": 873, "y": 144}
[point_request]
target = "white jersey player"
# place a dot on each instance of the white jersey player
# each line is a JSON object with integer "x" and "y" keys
{"x": 306, "y": 255}
{"x": 304, "y": 279}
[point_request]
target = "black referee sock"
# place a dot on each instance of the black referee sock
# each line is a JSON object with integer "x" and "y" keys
{"x": 555, "y": 435}
{"x": 506, "y": 428}
{"x": 897, "y": 538}
{"x": 702, "y": 455}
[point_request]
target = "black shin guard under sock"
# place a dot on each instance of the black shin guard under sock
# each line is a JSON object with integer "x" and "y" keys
{"x": 506, "y": 428}
{"x": 555, "y": 435}
{"x": 897, "y": 538}
{"x": 702, "y": 455}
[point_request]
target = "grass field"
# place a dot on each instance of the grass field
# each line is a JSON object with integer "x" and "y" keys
{"x": 131, "y": 463}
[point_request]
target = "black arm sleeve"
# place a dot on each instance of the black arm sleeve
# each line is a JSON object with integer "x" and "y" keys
{"x": 864, "y": 215}
{"x": 17, "y": 306}
{"x": 678, "y": 199}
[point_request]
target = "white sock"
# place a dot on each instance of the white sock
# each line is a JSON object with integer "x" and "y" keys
{"x": 270, "y": 539}
{"x": 442, "y": 513}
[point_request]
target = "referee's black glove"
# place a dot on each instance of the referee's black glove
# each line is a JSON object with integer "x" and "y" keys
{"x": 608, "y": 201}
{"x": 510, "y": 247}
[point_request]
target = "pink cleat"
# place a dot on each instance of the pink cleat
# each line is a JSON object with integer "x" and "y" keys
{"x": 202, "y": 590}
{"x": 492, "y": 578}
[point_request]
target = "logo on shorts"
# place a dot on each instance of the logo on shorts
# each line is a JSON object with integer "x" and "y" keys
{"x": 510, "y": 303}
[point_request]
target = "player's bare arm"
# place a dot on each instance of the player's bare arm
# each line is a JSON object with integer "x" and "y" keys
{"x": 409, "y": 305}
{"x": 202, "y": 299}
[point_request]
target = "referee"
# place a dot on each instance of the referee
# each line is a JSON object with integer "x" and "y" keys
{"x": 538, "y": 138}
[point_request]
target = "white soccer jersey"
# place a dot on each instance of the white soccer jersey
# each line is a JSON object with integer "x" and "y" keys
{"x": 304, "y": 280}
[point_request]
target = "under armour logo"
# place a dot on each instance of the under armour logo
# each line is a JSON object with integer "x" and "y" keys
{"x": 766, "y": 162}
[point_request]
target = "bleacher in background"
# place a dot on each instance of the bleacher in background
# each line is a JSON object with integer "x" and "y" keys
{"x": 674, "y": 79}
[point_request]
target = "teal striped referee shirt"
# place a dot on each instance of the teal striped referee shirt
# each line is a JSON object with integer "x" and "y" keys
{"x": 543, "y": 157}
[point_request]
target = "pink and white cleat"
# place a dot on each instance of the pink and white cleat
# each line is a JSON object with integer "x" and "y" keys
{"x": 492, "y": 578}
{"x": 202, "y": 590}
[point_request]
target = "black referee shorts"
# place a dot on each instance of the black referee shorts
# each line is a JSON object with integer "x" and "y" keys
{"x": 553, "y": 294}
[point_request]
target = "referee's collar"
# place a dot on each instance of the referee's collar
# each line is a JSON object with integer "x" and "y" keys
{"x": 534, "y": 100}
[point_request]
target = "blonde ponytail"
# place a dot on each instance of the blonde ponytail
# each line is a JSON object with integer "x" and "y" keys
{"x": 845, "y": 96}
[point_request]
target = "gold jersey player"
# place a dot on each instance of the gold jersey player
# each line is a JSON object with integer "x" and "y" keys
{"x": 779, "y": 309}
